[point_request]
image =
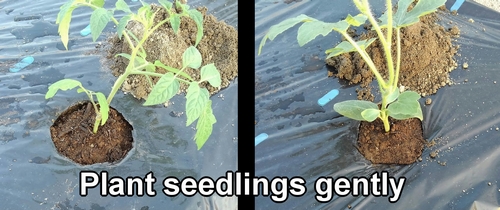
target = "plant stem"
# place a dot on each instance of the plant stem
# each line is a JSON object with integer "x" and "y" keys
{"x": 385, "y": 120}
{"x": 398, "y": 56}
{"x": 129, "y": 69}
{"x": 384, "y": 40}
{"x": 116, "y": 86}
{"x": 96, "y": 124}
{"x": 367, "y": 59}
{"x": 389, "y": 23}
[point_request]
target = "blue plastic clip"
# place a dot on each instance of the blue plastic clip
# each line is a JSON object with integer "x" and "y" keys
{"x": 260, "y": 138}
{"x": 86, "y": 31}
{"x": 457, "y": 5}
{"x": 328, "y": 97}
{"x": 22, "y": 64}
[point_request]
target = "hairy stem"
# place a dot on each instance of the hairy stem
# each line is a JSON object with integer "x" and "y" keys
{"x": 116, "y": 86}
{"x": 367, "y": 59}
{"x": 383, "y": 39}
{"x": 389, "y": 22}
{"x": 130, "y": 67}
{"x": 385, "y": 119}
{"x": 398, "y": 56}
{"x": 96, "y": 124}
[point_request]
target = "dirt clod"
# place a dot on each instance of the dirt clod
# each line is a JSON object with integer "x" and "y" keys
{"x": 433, "y": 154}
{"x": 465, "y": 66}
{"x": 428, "y": 101}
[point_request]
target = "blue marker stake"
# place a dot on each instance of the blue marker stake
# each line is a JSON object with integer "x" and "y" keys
{"x": 260, "y": 138}
{"x": 328, "y": 97}
{"x": 85, "y": 31}
{"x": 22, "y": 64}
{"x": 457, "y": 5}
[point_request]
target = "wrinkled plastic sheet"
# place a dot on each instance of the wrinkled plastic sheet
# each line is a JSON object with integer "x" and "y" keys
{"x": 309, "y": 141}
{"x": 162, "y": 143}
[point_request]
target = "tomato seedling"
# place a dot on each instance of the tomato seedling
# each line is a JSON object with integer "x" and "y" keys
{"x": 198, "y": 104}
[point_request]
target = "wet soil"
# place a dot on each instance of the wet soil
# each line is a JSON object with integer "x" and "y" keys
{"x": 426, "y": 58}
{"x": 219, "y": 45}
{"x": 73, "y": 136}
{"x": 403, "y": 144}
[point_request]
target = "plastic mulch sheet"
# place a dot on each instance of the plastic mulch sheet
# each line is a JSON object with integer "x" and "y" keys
{"x": 311, "y": 141}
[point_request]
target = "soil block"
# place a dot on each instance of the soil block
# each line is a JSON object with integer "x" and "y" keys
{"x": 403, "y": 144}
{"x": 73, "y": 137}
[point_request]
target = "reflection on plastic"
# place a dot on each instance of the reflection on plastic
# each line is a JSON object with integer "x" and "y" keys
{"x": 328, "y": 97}
{"x": 22, "y": 64}
{"x": 260, "y": 138}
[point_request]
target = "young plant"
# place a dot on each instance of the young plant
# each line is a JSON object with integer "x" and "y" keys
{"x": 198, "y": 104}
{"x": 397, "y": 105}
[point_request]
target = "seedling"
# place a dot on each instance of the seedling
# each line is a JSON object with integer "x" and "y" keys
{"x": 198, "y": 104}
{"x": 397, "y": 105}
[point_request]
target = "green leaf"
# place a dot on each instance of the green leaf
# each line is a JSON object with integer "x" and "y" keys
{"x": 279, "y": 28}
{"x": 172, "y": 69}
{"x": 144, "y": 14}
{"x": 123, "y": 6}
{"x": 198, "y": 19}
{"x": 64, "y": 84}
{"x": 345, "y": 47}
{"x": 210, "y": 73}
{"x": 191, "y": 58}
{"x": 402, "y": 18}
{"x": 166, "y": 4}
{"x": 391, "y": 97}
{"x": 370, "y": 114}
{"x": 150, "y": 67}
{"x": 353, "y": 108}
{"x": 103, "y": 107}
{"x": 98, "y": 21}
{"x": 122, "y": 24}
{"x": 204, "y": 125}
{"x": 164, "y": 90}
{"x": 125, "y": 55}
{"x": 80, "y": 90}
{"x": 184, "y": 7}
{"x": 407, "y": 106}
{"x": 196, "y": 98}
{"x": 356, "y": 20}
{"x": 63, "y": 10}
{"x": 310, "y": 30}
{"x": 97, "y": 3}
{"x": 64, "y": 20}
{"x": 175, "y": 21}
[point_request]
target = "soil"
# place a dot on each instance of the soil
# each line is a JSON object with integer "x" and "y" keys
{"x": 73, "y": 137}
{"x": 219, "y": 45}
{"x": 403, "y": 144}
{"x": 426, "y": 58}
